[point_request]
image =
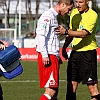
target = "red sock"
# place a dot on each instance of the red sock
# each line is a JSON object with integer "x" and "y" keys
{"x": 43, "y": 97}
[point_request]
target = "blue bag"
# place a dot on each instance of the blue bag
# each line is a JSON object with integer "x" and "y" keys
{"x": 9, "y": 55}
{"x": 9, "y": 62}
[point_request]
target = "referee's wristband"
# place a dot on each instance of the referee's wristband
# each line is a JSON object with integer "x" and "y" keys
{"x": 66, "y": 32}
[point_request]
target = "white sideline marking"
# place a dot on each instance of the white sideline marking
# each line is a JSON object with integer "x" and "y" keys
{"x": 27, "y": 81}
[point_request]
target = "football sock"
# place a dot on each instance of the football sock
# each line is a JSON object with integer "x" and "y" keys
{"x": 45, "y": 97}
{"x": 96, "y": 97}
{"x": 71, "y": 96}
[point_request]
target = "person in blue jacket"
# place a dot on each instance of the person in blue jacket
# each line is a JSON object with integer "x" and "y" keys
{"x": 2, "y": 47}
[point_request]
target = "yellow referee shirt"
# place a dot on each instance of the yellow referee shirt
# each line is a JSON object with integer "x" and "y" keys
{"x": 87, "y": 21}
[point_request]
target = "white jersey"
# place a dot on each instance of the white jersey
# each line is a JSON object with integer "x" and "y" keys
{"x": 47, "y": 41}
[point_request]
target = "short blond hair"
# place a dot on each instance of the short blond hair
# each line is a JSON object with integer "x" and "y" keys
{"x": 67, "y": 2}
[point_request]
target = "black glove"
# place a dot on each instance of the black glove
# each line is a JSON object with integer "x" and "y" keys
{"x": 64, "y": 54}
{"x": 60, "y": 61}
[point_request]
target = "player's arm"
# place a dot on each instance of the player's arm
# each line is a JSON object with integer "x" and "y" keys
{"x": 43, "y": 29}
{"x": 65, "y": 31}
{"x": 43, "y": 49}
{"x": 79, "y": 34}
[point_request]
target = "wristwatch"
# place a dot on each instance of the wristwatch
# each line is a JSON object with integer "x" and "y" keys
{"x": 67, "y": 28}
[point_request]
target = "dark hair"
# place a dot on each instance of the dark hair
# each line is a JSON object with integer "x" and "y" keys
{"x": 67, "y": 2}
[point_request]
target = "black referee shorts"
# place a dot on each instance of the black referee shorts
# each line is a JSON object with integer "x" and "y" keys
{"x": 82, "y": 66}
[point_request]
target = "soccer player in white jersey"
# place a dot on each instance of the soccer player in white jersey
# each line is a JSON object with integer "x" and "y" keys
{"x": 47, "y": 46}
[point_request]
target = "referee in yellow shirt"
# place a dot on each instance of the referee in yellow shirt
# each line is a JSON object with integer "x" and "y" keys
{"x": 82, "y": 63}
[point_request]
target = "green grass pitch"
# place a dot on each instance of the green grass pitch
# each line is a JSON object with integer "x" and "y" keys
{"x": 26, "y": 86}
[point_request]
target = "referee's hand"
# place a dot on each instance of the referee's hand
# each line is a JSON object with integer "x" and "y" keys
{"x": 60, "y": 30}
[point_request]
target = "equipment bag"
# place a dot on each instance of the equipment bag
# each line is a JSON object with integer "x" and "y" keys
{"x": 10, "y": 62}
{"x": 9, "y": 55}
{"x": 13, "y": 73}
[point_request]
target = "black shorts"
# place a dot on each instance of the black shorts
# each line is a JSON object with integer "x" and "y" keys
{"x": 82, "y": 66}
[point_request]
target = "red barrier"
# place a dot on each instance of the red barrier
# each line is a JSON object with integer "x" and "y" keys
{"x": 31, "y": 54}
{"x": 28, "y": 53}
